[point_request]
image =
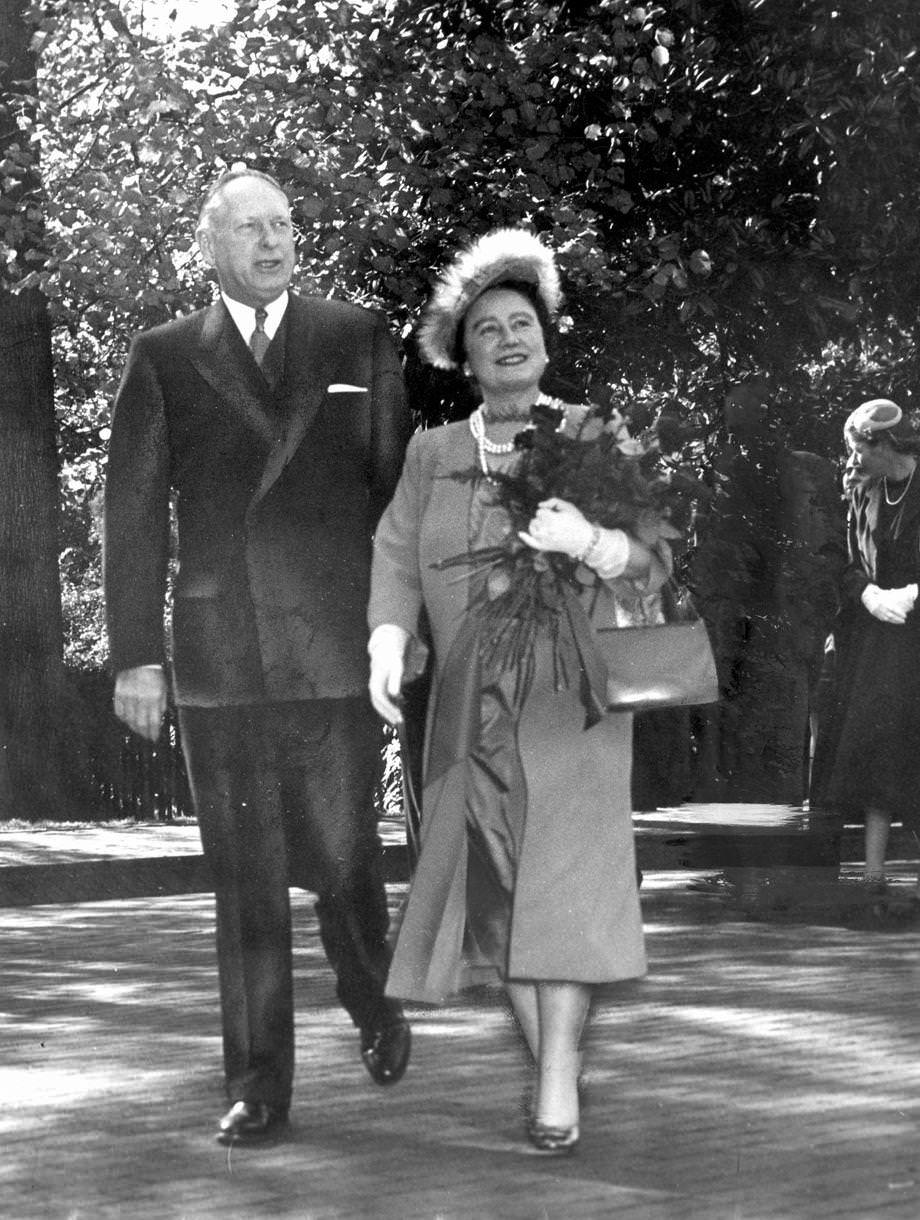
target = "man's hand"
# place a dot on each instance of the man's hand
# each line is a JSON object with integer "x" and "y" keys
{"x": 140, "y": 699}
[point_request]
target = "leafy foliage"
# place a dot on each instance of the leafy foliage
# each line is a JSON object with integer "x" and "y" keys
{"x": 729, "y": 187}
{"x": 697, "y": 165}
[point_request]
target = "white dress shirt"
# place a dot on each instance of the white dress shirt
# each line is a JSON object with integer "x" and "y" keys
{"x": 245, "y": 316}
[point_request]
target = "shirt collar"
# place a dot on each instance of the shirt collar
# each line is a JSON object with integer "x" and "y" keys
{"x": 245, "y": 316}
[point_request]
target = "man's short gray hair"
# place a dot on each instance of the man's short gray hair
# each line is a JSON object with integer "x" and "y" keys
{"x": 212, "y": 196}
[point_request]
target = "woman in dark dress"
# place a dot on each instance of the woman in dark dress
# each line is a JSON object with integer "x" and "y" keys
{"x": 527, "y": 856}
{"x": 873, "y": 742}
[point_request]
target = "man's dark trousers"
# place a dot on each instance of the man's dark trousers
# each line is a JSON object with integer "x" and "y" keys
{"x": 285, "y": 795}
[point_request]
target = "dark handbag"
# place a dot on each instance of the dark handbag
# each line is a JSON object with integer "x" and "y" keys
{"x": 668, "y": 664}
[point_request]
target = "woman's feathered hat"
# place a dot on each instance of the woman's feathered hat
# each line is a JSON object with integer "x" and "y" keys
{"x": 498, "y": 257}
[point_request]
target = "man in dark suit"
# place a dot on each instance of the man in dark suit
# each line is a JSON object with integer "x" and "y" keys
{"x": 276, "y": 424}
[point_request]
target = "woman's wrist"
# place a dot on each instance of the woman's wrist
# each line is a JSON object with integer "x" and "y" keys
{"x": 607, "y": 552}
{"x": 594, "y": 538}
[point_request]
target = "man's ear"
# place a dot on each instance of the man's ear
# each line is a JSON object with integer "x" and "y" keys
{"x": 206, "y": 246}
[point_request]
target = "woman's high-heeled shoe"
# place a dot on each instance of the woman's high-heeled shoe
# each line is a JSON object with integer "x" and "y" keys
{"x": 528, "y": 1093}
{"x": 556, "y": 1141}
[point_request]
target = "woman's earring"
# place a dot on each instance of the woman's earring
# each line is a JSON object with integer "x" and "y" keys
{"x": 467, "y": 371}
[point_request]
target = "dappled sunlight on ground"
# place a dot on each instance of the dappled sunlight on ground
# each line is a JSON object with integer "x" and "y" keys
{"x": 760, "y": 1071}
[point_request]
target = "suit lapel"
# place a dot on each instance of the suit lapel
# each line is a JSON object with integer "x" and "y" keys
{"x": 221, "y": 360}
{"x": 309, "y": 365}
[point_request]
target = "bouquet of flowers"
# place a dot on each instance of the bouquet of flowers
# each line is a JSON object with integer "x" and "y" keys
{"x": 616, "y": 481}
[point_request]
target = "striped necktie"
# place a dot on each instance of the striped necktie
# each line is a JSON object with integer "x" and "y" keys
{"x": 258, "y": 344}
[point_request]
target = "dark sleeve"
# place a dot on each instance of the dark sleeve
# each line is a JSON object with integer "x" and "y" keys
{"x": 136, "y": 522}
{"x": 390, "y": 422}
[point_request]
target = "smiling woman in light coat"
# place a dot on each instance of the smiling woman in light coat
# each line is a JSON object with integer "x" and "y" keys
{"x": 527, "y": 858}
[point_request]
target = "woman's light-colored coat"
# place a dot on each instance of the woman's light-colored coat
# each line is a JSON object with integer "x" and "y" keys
{"x": 575, "y": 908}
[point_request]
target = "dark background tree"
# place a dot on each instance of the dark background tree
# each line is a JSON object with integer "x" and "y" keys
{"x": 40, "y": 759}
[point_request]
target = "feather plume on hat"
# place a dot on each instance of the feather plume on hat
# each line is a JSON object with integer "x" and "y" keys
{"x": 499, "y": 256}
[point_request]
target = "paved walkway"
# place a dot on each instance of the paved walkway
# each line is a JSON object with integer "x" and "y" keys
{"x": 764, "y": 1069}
{"x": 74, "y": 862}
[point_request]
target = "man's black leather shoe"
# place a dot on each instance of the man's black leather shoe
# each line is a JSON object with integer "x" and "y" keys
{"x": 248, "y": 1122}
{"x": 385, "y": 1049}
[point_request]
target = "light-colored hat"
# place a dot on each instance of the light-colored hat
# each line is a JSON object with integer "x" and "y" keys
{"x": 875, "y": 416}
{"x": 499, "y": 256}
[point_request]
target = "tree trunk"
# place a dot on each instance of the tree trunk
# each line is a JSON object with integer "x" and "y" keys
{"x": 37, "y": 775}
{"x": 33, "y": 737}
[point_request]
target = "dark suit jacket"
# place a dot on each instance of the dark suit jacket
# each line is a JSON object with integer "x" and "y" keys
{"x": 277, "y": 493}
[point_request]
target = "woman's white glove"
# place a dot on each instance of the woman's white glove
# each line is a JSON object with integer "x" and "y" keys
{"x": 889, "y": 605}
{"x": 387, "y": 651}
{"x": 559, "y": 526}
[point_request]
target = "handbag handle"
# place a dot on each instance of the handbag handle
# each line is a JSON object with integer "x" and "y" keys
{"x": 677, "y": 604}
{"x": 413, "y": 806}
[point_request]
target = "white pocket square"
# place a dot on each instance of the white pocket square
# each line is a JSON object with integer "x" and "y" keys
{"x": 340, "y": 387}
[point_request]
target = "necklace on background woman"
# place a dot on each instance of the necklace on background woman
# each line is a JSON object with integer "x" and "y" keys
{"x": 897, "y": 500}
{"x": 485, "y": 446}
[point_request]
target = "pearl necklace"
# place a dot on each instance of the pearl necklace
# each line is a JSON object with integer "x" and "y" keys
{"x": 484, "y": 446}
{"x": 891, "y": 503}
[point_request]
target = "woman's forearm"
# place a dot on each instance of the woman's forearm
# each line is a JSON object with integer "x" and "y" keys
{"x": 612, "y": 554}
